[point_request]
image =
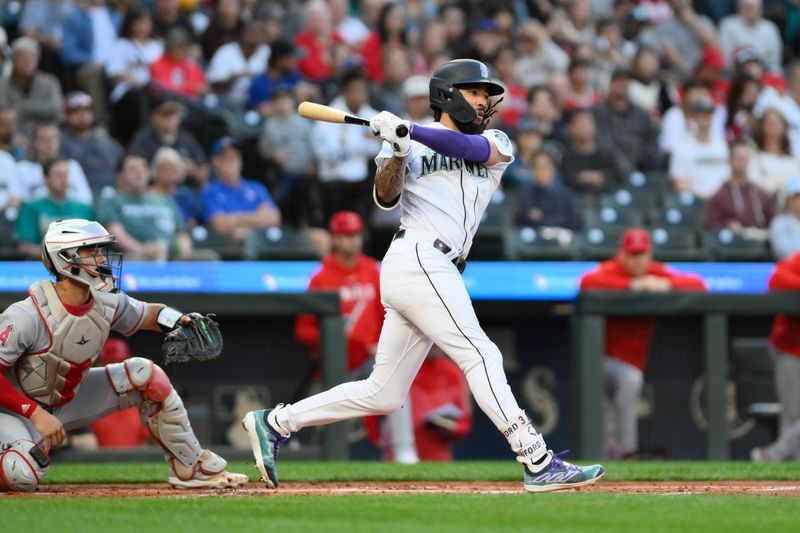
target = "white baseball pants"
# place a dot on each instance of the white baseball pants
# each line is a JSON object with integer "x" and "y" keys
{"x": 426, "y": 302}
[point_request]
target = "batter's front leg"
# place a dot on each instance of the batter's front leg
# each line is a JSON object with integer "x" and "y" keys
{"x": 401, "y": 350}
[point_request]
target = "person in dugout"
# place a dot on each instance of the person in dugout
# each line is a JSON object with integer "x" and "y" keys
{"x": 628, "y": 338}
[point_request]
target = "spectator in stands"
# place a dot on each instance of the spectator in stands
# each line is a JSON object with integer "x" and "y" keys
{"x": 543, "y": 108}
{"x": 741, "y": 99}
{"x": 539, "y": 57}
{"x": 773, "y": 163}
{"x": 678, "y": 121}
{"x": 609, "y": 52}
{"x": 93, "y": 149}
{"x": 46, "y": 144}
{"x": 544, "y": 201}
{"x": 35, "y": 94}
{"x": 628, "y": 128}
{"x": 128, "y": 69}
{"x": 515, "y": 102}
{"x": 281, "y": 72}
{"x": 456, "y": 30}
{"x": 9, "y": 188}
{"x": 784, "y": 231}
{"x": 581, "y": 94}
{"x": 349, "y": 29}
{"x": 12, "y": 141}
{"x": 168, "y": 171}
{"x": 700, "y": 162}
{"x": 90, "y": 31}
{"x": 739, "y": 205}
{"x": 148, "y": 226}
{"x": 486, "y": 37}
{"x": 226, "y": 26}
{"x": 585, "y": 167}
{"x": 165, "y": 130}
{"x": 344, "y": 155}
{"x": 628, "y": 339}
{"x": 529, "y": 143}
{"x": 417, "y": 105}
{"x": 36, "y": 215}
{"x": 388, "y": 95}
{"x": 711, "y": 73}
{"x": 683, "y": 37}
{"x": 315, "y": 42}
{"x": 43, "y": 21}
{"x": 572, "y": 26}
{"x": 785, "y": 345}
{"x": 391, "y": 33}
{"x": 231, "y": 204}
{"x": 167, "y": 16}
{"x": 175, "y": 72}
{"x": 235, "y": 64}
{"x": 120, "y": 429}
{"x": 646, "y": 90}
{"x": 749, "y": 28}
{"x": 285, "y": 141}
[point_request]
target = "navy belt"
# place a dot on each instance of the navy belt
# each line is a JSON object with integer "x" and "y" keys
{"x": 459, "y": 262}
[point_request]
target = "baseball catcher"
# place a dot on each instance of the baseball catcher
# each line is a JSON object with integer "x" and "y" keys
{"x": 49, "y": 340}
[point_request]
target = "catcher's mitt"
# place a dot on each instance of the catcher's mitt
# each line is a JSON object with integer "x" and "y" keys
{"x": 200, "y": 340}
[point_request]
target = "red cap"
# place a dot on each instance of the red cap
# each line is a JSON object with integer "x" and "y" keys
{"x": 713, "y": 58}
{"x": 636, "y": 241}
{"x": 115, "y": 351}
{"x": 346, "y": 222}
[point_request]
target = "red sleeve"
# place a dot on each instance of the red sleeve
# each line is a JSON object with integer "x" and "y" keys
{"x": 195, "y": 79}
{"x": 14, "y": 400}
{"x": 687, "y": 282}
{"x": 603, "y": 278}
{"x": 786, "y": 274}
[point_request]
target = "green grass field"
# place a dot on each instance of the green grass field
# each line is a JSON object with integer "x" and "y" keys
{"x": 573, "y": 511}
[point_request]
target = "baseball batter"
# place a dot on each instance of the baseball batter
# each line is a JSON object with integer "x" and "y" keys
{"x": 48, "y": 343}
{"x": 441, "y": 177}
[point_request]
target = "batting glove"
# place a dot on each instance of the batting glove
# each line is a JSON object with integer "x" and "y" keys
{"x": 387, "y": 124}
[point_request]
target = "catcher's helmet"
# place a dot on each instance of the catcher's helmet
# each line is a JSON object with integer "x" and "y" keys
{"x": 60, "y": 253}
{"x": 460, "y": 73}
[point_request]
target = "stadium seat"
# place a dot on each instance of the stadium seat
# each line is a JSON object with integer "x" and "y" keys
{"x": 630, "y": 199}
{"x": 725, "y": 245}
{"x": 651, "y": 180}
{"x": 676, "y": 244}
{"x": 599, "y": 243}
{"x": 284, "y": 244}
{"x": 529, "y": 244}
{"x": 683, "y": 200}
{"x": 222, "y": 243}
{"x": 498, "y": 217}
{"x": 676, "y": 217}
{"x": 614, "y": 217}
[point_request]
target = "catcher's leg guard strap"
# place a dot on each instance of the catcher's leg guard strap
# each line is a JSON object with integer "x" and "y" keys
{"x": 138, "y": 373}
{"x": 23, "y": 464}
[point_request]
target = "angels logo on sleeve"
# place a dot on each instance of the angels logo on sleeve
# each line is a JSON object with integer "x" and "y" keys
{"x": 5, "y": 334}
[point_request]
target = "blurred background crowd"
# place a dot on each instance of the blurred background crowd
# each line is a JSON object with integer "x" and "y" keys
{"x": 174, "y": 122}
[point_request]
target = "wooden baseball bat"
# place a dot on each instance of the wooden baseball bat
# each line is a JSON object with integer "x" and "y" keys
{"x": 325, "y": 113}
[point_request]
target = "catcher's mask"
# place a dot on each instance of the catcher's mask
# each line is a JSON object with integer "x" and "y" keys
{"x": 82, "y": 250}
{"x": 445, "y": 96}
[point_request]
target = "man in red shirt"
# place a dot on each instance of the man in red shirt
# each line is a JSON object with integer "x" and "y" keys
{"x": 357, "y": 278}
{"x": 785, "y": 340}
{"x": 628, "y": 338}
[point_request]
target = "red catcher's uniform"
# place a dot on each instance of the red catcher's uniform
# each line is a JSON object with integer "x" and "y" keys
{"x": 628, "y": 339}
{"x": 122, "y": 429}
{"x": 786, "y": 329}
{"x": 360, "y": 296}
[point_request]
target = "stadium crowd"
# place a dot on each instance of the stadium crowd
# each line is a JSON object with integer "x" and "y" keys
{"x": 174, "y": 122}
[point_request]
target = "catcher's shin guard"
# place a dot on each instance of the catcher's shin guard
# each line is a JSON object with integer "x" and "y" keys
{"x": 162, "y": 411}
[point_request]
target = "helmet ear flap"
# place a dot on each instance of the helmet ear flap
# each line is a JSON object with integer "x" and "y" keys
{"x": 47, "y": 260}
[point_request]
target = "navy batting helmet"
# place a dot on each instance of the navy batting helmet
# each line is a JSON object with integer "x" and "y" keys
{"x": 460, "y": 73}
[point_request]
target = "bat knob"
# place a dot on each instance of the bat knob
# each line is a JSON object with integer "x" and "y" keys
{"x": 402, "y": 130}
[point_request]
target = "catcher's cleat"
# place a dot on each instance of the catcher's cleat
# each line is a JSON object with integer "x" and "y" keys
{"x": 208, "y": 473}
{"x": 265, "y": 442}
{"x": 560, "y": 475}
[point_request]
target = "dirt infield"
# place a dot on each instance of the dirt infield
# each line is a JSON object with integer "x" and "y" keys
{"x": 162, "y": 490}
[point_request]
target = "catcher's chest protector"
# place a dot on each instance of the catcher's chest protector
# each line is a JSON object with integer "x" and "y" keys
{"x": 75, "y": 342}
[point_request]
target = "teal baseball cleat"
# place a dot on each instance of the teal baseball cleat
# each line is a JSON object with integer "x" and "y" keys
{"x": 560, "y": 475}
{"x": 265, "y": 442}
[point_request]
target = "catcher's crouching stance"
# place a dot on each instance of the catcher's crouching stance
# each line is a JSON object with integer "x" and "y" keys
{"x": 49, "y": 341}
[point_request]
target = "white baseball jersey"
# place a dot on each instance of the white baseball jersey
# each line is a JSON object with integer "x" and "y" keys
{"x": 446, "y": 196}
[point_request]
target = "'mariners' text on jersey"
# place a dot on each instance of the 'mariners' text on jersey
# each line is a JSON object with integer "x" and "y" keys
{"x": 434, "y": 162}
